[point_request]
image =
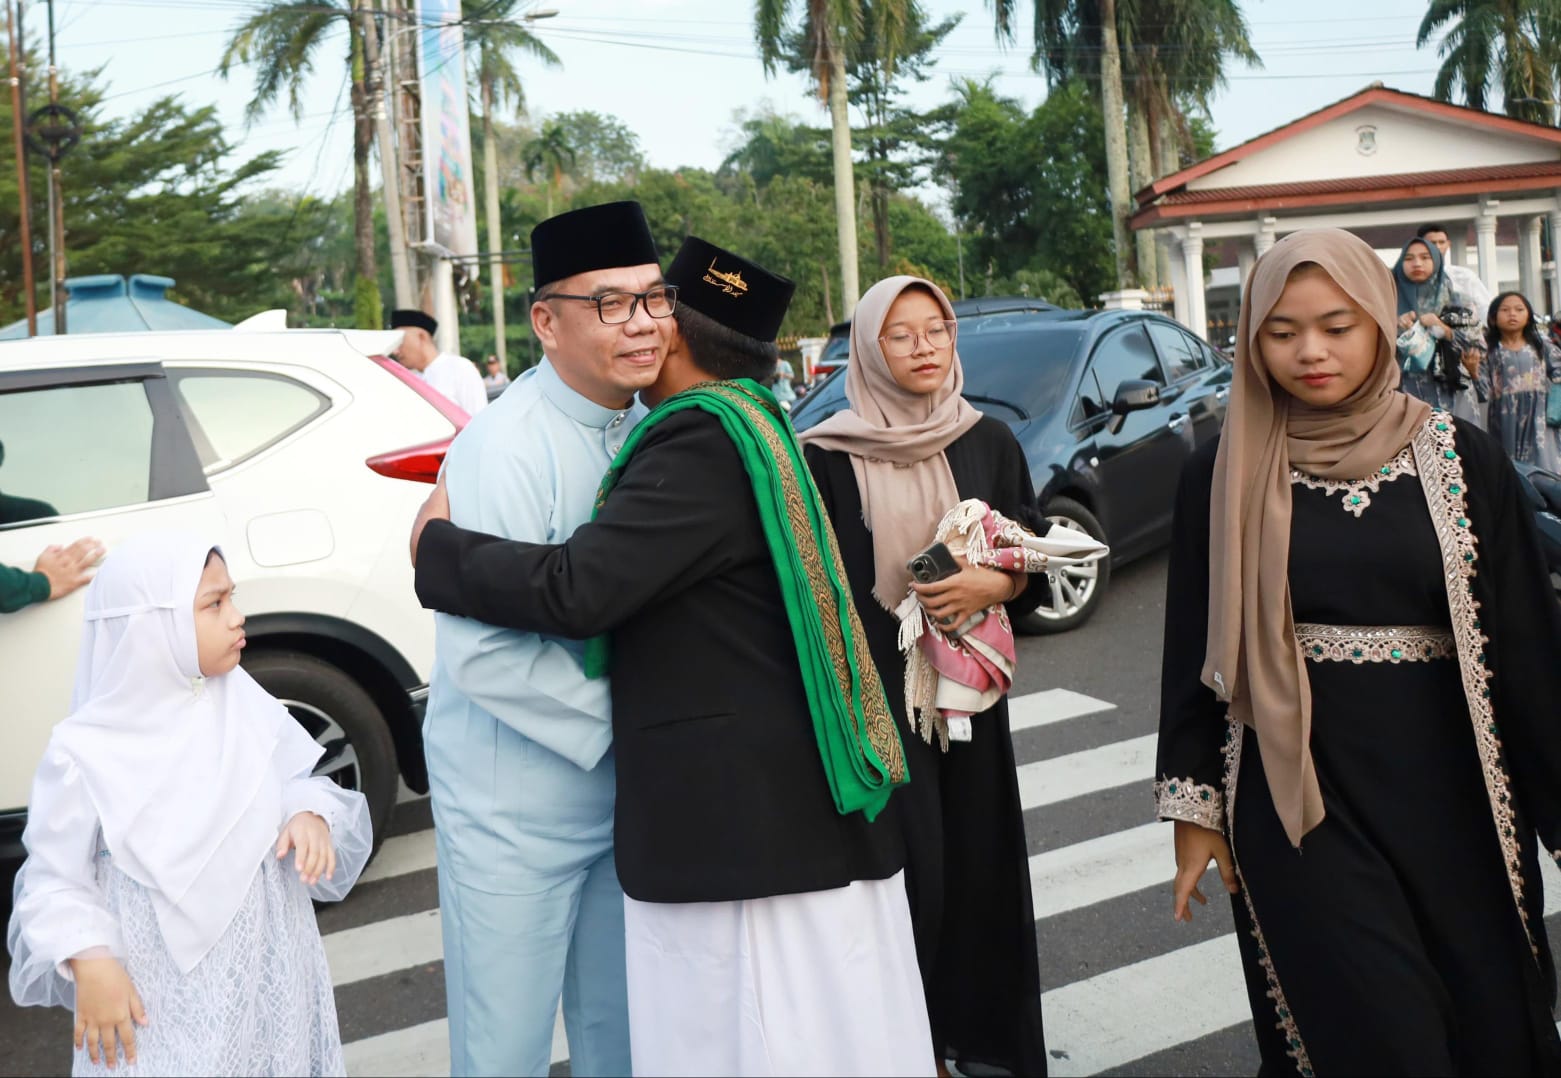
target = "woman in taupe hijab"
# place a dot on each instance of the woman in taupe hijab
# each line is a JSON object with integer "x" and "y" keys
{"x": 906, "y": 451}
{"x": 1361, "y": 639}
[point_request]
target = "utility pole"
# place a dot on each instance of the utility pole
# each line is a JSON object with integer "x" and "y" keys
{"x": 395, "y": 223}
{"x": 56, "y": 198}
{"x": 18, "y": 121}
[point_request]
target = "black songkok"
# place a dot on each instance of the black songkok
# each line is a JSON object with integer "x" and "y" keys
{"x": 403, "y": 317}
{"x": 741, "y": 295}
{"x": 598, "y": 237}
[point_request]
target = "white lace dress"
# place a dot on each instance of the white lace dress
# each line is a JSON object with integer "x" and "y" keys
{"x": 259, "y": 1002}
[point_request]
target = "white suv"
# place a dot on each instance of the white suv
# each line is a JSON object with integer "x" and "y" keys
{"x": 293, "y": 448}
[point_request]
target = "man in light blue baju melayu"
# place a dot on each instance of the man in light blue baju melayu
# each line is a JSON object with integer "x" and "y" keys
{"x": 518, "y": 740}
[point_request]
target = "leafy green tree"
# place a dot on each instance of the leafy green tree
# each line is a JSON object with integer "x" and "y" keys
{"x": 282, "y": 41}
{"x": 770, "y": 145}
{"x": 606, "y": 149}
{"x": 1156, "y": 62}
{"x": 1029, "y": 210}
{"x": 160, "y": 191}
{"x": 1513, "y": 46}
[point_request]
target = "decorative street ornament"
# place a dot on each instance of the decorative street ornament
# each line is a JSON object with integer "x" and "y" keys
{"x": 53, "y": 131}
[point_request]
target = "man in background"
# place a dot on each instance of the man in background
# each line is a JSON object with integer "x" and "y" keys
{"x": 451, "y": 375}
{"x": 496, "y": 378}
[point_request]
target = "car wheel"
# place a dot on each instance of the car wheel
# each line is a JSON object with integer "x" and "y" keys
{"x": 336, "y": 711}
{"x": 1072, "y": 595}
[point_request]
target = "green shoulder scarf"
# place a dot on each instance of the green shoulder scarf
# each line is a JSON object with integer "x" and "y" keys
{"x": 863, "y": 758}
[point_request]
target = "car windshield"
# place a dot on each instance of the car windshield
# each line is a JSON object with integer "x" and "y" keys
{"x": 836, "y": 350}
{"x": 1016, "y": 368}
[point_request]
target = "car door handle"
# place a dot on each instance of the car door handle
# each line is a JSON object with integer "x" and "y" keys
{"x": 1177, "y": 422}
{"x": 1222, "y": 393}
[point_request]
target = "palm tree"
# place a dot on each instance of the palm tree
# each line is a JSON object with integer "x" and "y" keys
{"x": 552, "y": 153}
{"x": 494, "y": 42}
{"x": 1174, "y": 54}
{"x": 282, "y": 41}
{"x": 829, "y": 29}
{"x": 1154, "y": 59}
{"x": 1510, "y": 45}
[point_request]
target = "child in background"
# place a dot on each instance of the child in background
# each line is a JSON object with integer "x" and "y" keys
{"x": 175, "y": 839}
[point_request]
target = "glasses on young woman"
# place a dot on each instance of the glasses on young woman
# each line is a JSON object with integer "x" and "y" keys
{"x": 616, "y": 308}
{"x": 902, "y": 342}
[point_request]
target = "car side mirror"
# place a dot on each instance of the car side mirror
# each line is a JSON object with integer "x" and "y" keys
{"x": 1133, "y": 395}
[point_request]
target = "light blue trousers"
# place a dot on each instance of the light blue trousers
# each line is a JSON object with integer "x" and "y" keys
{"x": 530, "y": 900}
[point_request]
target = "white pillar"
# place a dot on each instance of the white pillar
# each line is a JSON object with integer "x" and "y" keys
{"x": 1245, "y": 257}
{"x": 1555, "y": 253}
{"x": 446, "y": 311}
{"x": 1485, "y": 243}
{"x": 1530, "y": 278}
{"x": 1129, "y": 299}
{"x": 1180, "y": 291}
{"x": 1265, "y": 235}
{"x": 1192, "y": 266}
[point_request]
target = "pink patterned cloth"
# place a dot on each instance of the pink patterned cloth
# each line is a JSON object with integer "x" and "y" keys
{"x": 949, "y": 680}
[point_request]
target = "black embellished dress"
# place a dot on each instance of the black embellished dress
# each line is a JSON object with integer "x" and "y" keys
{"x": 967, "y": 871}
{"x": 1406, "y": 935}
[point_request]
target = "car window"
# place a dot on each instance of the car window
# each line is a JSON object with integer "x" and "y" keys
{"x": 1124, "y": 356}
{"x": 73, "y": 449}
{"x": 1025, "y": 368}
{"x": 1182, "y": 354}
{"x": 233, "y": 415}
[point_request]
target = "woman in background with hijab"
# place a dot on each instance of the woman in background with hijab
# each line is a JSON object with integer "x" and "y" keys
{"x": 1358, "y": 696}
{"x": 1424, "y": 294}
{"x": 907, "y": 450}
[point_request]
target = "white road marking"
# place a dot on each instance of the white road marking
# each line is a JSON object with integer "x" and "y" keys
{"x": 1046, "y": 782}
{"x": 1100, "y": 869}
{"x": 420, "y": 1050}
{"x": 401, "y": 854}
{"x": 1054, "y": 705}
{"x": 1136, "y": 1010}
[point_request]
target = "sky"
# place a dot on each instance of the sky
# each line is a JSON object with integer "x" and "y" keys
{"x": 676, "y": 71}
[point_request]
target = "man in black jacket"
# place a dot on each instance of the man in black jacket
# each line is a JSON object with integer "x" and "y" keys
{"x": 767, "y": 925}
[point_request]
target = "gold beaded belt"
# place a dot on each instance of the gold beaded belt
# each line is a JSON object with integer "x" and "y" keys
{"x": 1375, "y": 643}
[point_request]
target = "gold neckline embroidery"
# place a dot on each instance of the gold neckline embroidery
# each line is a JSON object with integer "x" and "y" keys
{"x": 1358, "y": 492}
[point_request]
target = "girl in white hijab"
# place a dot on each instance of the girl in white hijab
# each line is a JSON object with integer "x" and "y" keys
{"x": 175, "y": 839}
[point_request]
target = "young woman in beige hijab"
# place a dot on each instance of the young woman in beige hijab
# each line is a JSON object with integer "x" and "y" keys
{"x": 906, "y": 451}
{"x": 1361, "y": 675}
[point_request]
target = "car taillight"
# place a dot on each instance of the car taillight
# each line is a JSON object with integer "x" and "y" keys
{"x": 419, "y": 463}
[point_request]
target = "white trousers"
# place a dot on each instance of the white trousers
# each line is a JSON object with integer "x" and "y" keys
{"x": 823, "y": 983}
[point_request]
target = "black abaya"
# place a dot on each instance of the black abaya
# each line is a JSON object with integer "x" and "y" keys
{"x": 1405, "y": 935}
{"x": 967, "y": 870}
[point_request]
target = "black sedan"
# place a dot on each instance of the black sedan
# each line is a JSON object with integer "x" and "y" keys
{"x": 1108, "y": 406}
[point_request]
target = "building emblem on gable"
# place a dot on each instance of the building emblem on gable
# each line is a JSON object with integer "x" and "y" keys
{"x": 1366, "y": 143}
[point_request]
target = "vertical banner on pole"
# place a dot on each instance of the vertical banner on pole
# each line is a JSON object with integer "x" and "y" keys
{"x": 449, "y": 193}
{"x": 447, "y": 143}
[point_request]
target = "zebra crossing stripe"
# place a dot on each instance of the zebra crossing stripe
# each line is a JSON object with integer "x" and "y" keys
{"x": 1054, "y": 705}
{"x": 1133, "y": 1011}
{"x": 400, "y": 855}
{"x": 1062, "y": 778}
